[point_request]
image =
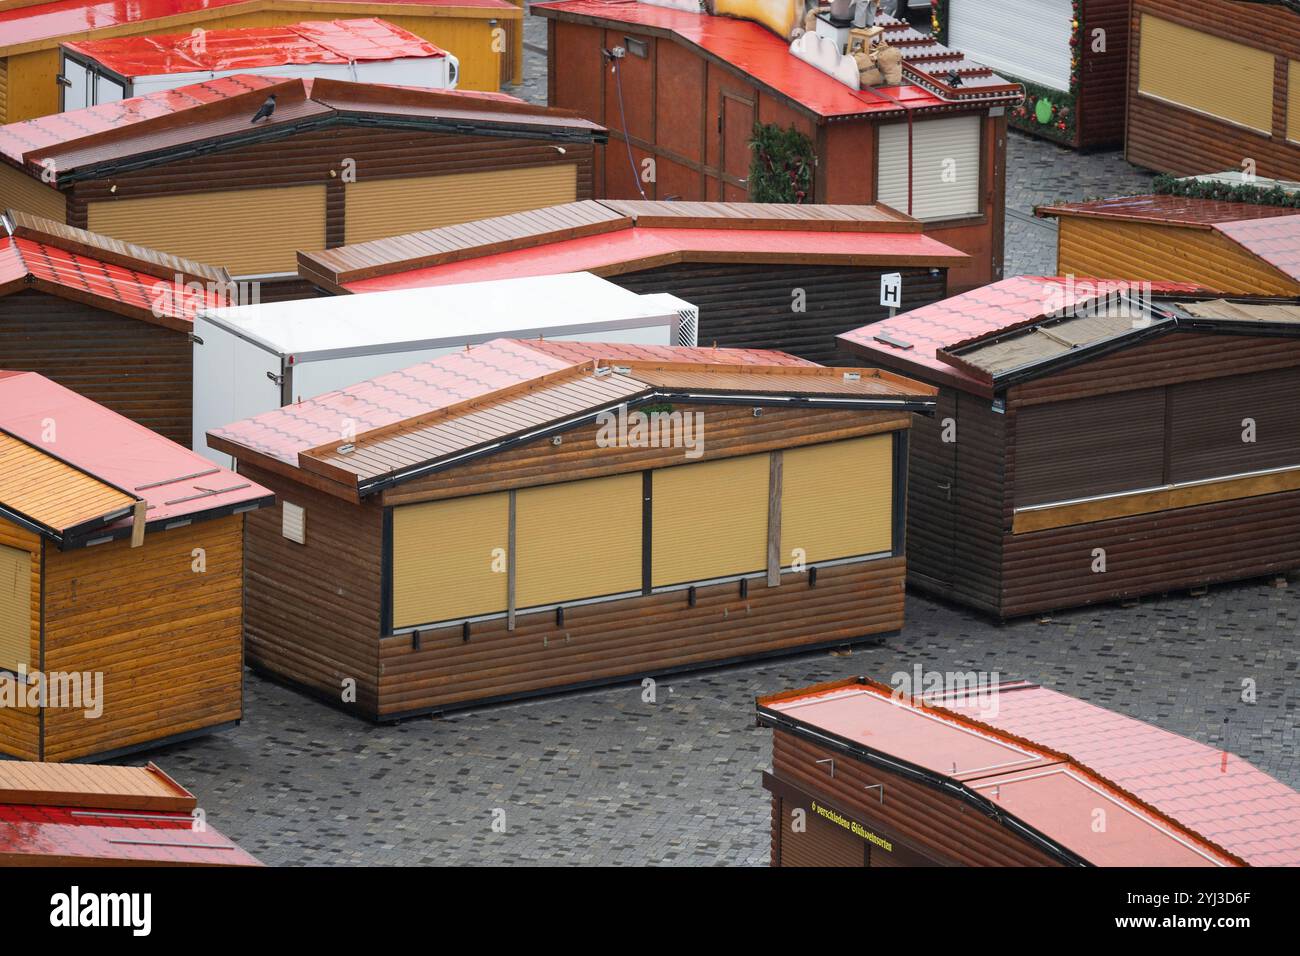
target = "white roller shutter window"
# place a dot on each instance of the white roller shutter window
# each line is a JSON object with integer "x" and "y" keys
{"x": 1026, "y": 39}
{"x": 945, "y": 167}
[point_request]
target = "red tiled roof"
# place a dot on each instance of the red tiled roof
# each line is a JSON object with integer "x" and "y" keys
{"x": 27, "y": 262}
{"x": 762, "y": 55}
{"x": 447, "y": 380}
{"x": 77, "y": 18}
{"x": 1210, "y": 791}
{"x": 1172, "y": 210}
{"x": 174, "y": 481}
{"x": 915, "y": 339}
{"x": 1275, "y": 240}
{"x": 1050, "y": 761}
{"x": 312, "y": 41}
{"x": 657, "y": 246}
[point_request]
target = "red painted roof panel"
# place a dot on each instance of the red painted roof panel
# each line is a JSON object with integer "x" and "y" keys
{"x": 312, "y": 41}
{"x": 72, "y": 18}
{"x": 175, "y": 481}
{"x": 444, "y": 381}
{"x": 642, "y": 243}
{"x": 36, "y": 834}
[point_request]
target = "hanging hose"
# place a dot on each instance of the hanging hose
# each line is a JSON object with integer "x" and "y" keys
{"x": 622, "y": 118}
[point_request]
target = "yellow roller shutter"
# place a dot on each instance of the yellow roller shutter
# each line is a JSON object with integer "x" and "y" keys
{"x": 249, "y": 231}
{"x": 446, "y": 562}
{"x": 837, "y": 499}
{"x": 1293, "y": 101}
{"x": 15, "y": 608}
{"x": 580, "y": 539}
{"x": 710, "y": 520}
{"x": 27, "y": 194}
{"x": 1207, "y": 73}
{"x": 379, "y": 208}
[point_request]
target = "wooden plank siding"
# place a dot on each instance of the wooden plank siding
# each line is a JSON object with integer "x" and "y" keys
{"x": 1174, "y": 139}
{"x": 942, "y": 827}
{"x": 1155, "y": 252}
{"x": 752, "y": 306}
{"x": 165, "y": 637}
{"x": 1102, "y": 74}
{"x": 139, "y": 370}
{"x": 313, "y": 610}
{"x": 20, "y": 727}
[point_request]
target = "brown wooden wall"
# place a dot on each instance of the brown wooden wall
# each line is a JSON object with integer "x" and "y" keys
{"x": 20, "y": 727}
{"x": 945, "y": 829}
{"x": 167, "y": 639}
{"x": 1176, "y": 140}
{"x": 694, "y": 117}
{"x": 1011, "y": 574}
{"x": 751, "y": 306}
{"x": 139, "y": 370}
{"x": 1102, "y": 76}
{"x": 313, "y": 610}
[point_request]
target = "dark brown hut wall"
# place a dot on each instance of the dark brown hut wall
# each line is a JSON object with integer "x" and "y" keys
{"x": 753, "y": 306}
{"x": 137, "y": 369}
{"x": 1102, "y": 74}
{"x": 1177, "y": 140}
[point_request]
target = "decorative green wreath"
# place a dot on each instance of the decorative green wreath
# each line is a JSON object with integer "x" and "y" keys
{"x": 1166, "y": 185}
{"x": 1044, "y": 112}
{"x": 781, "y": 168}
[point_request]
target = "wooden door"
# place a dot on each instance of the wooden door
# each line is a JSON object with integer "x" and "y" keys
{"x": 736, "y": 126}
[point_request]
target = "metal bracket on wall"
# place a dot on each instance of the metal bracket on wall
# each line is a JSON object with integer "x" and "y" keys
{"x": 464, "y": 632}
{"x": 415, "y": 640}
{"x": 831, "y": 761}
{"x": 877, "y": 786}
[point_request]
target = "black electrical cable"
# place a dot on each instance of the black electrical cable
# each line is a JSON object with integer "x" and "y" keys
{"x": 622, "y": 116}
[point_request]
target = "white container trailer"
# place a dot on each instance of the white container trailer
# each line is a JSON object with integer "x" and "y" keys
{"x": 369, "y": 50}
{"x": 255, "y": 358}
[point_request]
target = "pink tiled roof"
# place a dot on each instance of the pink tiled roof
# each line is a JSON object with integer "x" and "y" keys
{"x": 1275, "y": 240}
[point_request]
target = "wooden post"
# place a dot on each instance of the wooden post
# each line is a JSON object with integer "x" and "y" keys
{"x": 774, "y": 520}
{"x": 138, "y": 519}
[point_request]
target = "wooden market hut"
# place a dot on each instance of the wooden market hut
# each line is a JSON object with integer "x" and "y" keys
{"x": 1234, "y": 248}
{"x": 1213, "y": 86}
{"x": 187, "y": 172}
{"x": 1007, "y": 774}
{"x": 121, "y": 561}
{"x": 695, "y": 85}
{"x": 1097, "y": 444}
{"x": 483, "y": 531}
{"x": 80, "y": 815}
{"x": 1070, "y": 54}
{"x": 764, "y": 275}
{"x": 31, "y": 34}
{"x": 107, "y": 319}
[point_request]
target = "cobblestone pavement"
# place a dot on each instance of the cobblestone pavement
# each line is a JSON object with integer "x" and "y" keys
{"x": 600, "y": 777}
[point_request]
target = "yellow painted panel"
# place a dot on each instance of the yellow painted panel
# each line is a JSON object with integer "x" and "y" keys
{"x": 4, "y": 89}
{"x": 1204, "y": 72}
{"x": 25, "y": 193}
{"x": 379, "y": 208}
{"x": 449, "y": 559}
{"x": 837, "y": 499}
{"x": 15, "y": 608}
{"x": 249, "y": 231}
{"x": 710, "y": 520}
{"x": 1293, "y": 101}
{"x": 1150, "y": 251}
{"x": 580, "y": 539}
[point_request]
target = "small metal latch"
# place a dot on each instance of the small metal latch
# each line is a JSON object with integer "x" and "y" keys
{"x": 278, "y": 379}
{"x": 195, "y": 339}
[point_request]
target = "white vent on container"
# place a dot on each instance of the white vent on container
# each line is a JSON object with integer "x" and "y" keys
{"x": 688, "y": 329}
{"x": 294, "y": 526}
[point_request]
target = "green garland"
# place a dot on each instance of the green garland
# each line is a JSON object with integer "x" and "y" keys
{"x": 1166, "y": 185}
{"x": 1045, "y": 112}
{"x": 781, "y": 169}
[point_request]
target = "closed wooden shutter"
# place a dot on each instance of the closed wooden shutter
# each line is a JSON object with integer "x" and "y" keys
{"x": 449, "y": 559}
{"x": 580, "y": 539}
{"x": 1026, "y": 39}
{"x": 1293, "y": 101}
{"x": 249, "y": 231}
{"x": 1206, "y": 73}
{"x": 837, "y": 499}
{"x": 710, "y": 520}
{"x": 15, "y": 608}
{"x": 1208, "y": 425}
{"x": 28, "y": 194}
{"x": 1089, "y": 446}
{"x": 821, "y": 843}
{"x": 945, "y": 167}
{"x": 379, "y": 208}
